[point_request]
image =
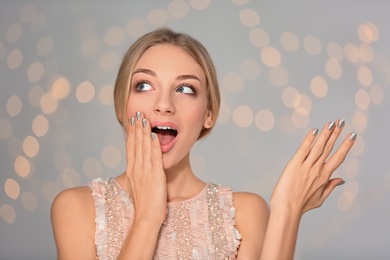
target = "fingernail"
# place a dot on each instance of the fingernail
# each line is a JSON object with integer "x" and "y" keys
{"x": 138, "y": 115}
{"x": 331, "y": 126}
{"x": 341, "y": 183}
{"x": 132, "y": 121}
{"x": 153, "y": 136}
{"x": 143, "y": 122}
{"x": 352, "y": 137}
{"x": 341, "y": 123}
{"x": 315, "y": 131}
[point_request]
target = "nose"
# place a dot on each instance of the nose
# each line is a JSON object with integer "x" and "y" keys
{"x": 164, "y": 104}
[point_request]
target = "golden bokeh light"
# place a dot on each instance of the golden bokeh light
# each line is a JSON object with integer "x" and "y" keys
{"x": 5, "y": 129}
{"x": 359, "y": 121}
{"x": 249, "y": 18}
{"x": 40, "y": 125}
{"x": 335, "y": 51}
{"x": 362, "y": 99}
{"x": 71, "y": 178}
{"x": 233, "y": 82}
{"x": 7, "y": 213}
{"x": 270, "y": 56}
{"x": 44, "y": 46}
{"x": 178, "y": 9}
{"x": 300, "y": 117}
{"x": 29, "y": 201}
{"x": 278, "y": 76}
{"x": 265, "y": 120}
{"x": 109, "y": 61}
{"x": 13, "y": 33}
{"x": 60, "y": 88}
{"x": 111, "y": 156}
{"x": 35, "y": 72}
{"x": 92, "y": 168}
{"x": 28, "y": 13}
{"x": 259, "y": 37}
{"x": 376, "y": 94}
{"x": 364, "y": 76}
{"x": 344, "y": 204}
{"x": 367, "y": 53}
{"x": 291, "y": 97}
{"x": 14, "y": 59}
{"x": 114, "y": 36}
{"x": 250, "y": 69}
{"x": 352, "y": 52}
{"x": 48, "y": 103}
{"x": 351, "y": 167}
{"x": 351, "y": 189}
{"x": 14, "y": 106}
{"x": 368, "y": 33}
{"x": 136, "y": 27}
{"x": 242, "y": 116}
{"x": 312, "y": 45}
{"x": 30, "y": 146}
{"x": 224, "y": 113}
{"x": 22, "y": 166}
{"x": 12, "y": 188}
{"x": 106, "y": 97}
{"x": 199, "y": 4}
{"x": 289, "y": 41}
{"x": 158, "y": 17}
{"x": 333, "y": 69}
{"x": 85, "y": 92}
{"x": 319, "y": 86}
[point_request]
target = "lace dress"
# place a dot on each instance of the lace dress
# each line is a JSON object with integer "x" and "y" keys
{"x": 202, "y": 227}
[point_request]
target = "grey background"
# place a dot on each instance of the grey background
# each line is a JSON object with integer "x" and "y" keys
{"x": 84, "y": 41}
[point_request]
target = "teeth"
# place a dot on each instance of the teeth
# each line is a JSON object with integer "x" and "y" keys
{"x": 165, "y": 128}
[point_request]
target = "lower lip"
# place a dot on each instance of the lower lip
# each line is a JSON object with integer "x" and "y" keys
{"x": 167, "y": 147}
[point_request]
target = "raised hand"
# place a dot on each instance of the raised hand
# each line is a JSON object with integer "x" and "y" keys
{"x": 145, "y": 172}
{"x": 306, "y": 181}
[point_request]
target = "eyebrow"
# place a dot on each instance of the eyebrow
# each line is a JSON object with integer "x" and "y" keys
{"x": 153, "y": 74}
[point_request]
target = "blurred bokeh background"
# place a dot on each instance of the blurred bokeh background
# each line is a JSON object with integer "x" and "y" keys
{"x": 284, "y": 67}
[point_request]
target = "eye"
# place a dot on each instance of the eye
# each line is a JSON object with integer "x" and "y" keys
{"x": 143, "y": 86}
{"x": 186, "y": 89}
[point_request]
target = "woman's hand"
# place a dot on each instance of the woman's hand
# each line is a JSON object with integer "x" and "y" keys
{"x": 306, "y": 181}
{"x": 145, "y": 172}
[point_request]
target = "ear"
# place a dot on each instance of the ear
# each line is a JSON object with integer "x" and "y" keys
{"x": 209, "y": 122}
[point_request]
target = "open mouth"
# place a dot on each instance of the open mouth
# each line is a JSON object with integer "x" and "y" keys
{"x": 165, "y": 134}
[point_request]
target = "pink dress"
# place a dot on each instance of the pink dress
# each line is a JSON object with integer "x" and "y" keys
{"x": 202, "y": 227}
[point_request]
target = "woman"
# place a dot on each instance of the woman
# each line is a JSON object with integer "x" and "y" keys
{"x": 166, "y": 98}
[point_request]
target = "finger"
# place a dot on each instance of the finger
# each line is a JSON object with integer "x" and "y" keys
{"x": 339, "y": 125}
{"x": 339, "y": 156}
{"x": 138, "y": 144}
{"x": 304, "y": 149}
{"x": 146, "y": 145}
{"x": 318, "y": 147}
{"x": 329, "y": 187}
{"x": 156, "y": 154}
{"x": 130, "y": 140}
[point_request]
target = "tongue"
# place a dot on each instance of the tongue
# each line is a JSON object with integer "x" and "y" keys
{"x": 165, "y": 137}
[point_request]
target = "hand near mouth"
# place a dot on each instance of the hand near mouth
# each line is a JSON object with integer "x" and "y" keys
{"x": 146, "y": 182}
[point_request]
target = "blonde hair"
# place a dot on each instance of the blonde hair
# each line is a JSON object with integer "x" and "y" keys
{"x": 180, "y": 40}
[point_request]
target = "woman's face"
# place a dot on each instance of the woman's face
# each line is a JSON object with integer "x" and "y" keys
{"x": 169, "y": 87}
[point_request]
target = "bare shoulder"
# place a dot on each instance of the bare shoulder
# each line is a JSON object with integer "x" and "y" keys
{"x": 252, "y": 213}
{"x": 73, "y": 221}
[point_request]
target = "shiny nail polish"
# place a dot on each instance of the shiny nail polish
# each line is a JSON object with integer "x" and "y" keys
{"x": 144, "y": 122}
{"x": 315, "y": 131}
{"x": 331, "y": 126}
{"x": 138, "y": 115}
{"x": 153, "y": 136}
{"x": 340, "y": 183}
{"x": 353, "y": 136}
{"x": 341, "y": 123}
{"x": 132, "y": 121}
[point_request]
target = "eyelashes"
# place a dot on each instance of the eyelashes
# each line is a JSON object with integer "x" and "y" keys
{"x": 144, "y": 85}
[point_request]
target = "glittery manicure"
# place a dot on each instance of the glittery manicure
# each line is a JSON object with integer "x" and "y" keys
{"x": 341, "y": 123}
{"x": 132, "y": 121}
{"x": 315, "y": 131}
{"x": 143, "y": 122}
{"x": 138, "y": 115}
{"x": 331, "y": 126}
{"x": 353, "y": 136}
{"x": 340, "y": 183}
{"x": 153, "y": 136}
